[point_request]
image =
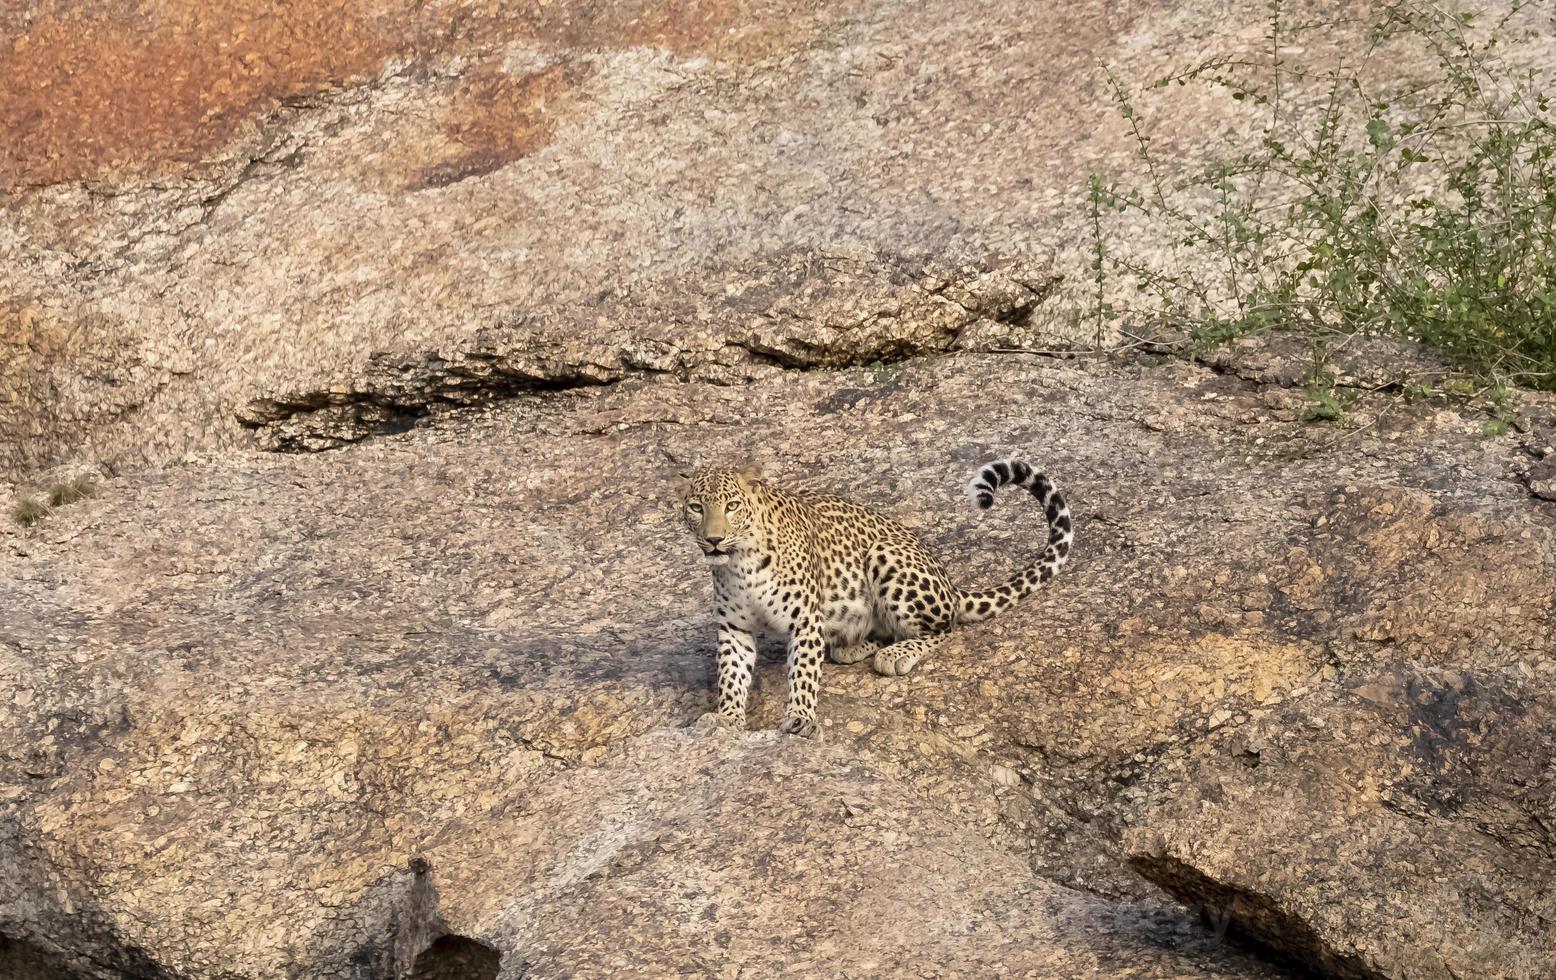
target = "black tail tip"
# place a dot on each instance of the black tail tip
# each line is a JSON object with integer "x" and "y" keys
{"x": 985, "y": 501}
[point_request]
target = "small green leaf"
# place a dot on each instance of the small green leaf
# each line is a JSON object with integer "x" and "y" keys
{"x": 1378, "y": 135}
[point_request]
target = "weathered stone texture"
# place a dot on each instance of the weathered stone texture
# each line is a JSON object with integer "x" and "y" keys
{"x": 420, "y": 706}
{"x": 295, "y": 675}
{"x": 1398, "y": 826}
{"x": 227, "y": 202}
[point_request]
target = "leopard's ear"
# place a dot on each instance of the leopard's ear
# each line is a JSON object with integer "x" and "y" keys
{"x": 682, "y": 483}
{"x": 750, "y": 473}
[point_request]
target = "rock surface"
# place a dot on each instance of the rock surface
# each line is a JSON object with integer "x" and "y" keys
{"x": 422, "y": 706}
{"x": 471, "y": 644}
{"x": 303, "y": 204}
{"x": 1396, "y": 826}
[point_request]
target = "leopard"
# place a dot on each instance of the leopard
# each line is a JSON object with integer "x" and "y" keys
{"x": 837, "y": 579}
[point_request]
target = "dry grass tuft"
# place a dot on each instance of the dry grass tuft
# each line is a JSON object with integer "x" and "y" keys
{"x": 70, "y": 491}
{"x": 28, "y": 511}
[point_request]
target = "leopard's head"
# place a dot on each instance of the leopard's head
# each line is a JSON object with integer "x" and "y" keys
{"x": 719, "y": 507}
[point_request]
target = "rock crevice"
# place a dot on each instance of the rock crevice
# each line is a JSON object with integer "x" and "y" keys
{"x": 798, "y": 312}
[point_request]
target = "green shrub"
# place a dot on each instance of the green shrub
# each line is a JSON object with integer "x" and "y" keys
{"x": 1325, "y": 227}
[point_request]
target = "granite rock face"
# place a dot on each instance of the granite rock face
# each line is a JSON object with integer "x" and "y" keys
{"x": 1396, "y": 826}
{"x": 422, "y": 706}
{"x": 804, "y": 311}
{"x": 425, "y": 698}
{"x": 218, "y": 216}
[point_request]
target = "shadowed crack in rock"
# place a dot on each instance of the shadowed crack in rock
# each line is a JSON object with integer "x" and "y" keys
{"x": 456, "y": 958}
{"x": 1540, "y": 479}
{"x": 797, "y": 311}
{"x": 23, "y": 960}
{"x": 1251, "y": 916}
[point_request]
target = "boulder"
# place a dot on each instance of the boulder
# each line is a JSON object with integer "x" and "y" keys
{"x": 305, "y": 714}
{"x": 422, "y": 705}
{"x": 1398, "y": 825}
{"x": 323, "y": 211}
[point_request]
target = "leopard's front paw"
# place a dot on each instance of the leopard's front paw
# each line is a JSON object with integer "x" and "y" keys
{"x": 713, "y": 719}
{"x": 803, "y": 727}
{"x": 895, "y": 664}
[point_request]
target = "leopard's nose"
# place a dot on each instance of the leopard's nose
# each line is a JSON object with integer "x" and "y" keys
{"x": 713, "y": 540}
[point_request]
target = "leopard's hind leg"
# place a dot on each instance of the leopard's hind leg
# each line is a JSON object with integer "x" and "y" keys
{"x": 915, "y": 605}
{"x": 853, "y": 653}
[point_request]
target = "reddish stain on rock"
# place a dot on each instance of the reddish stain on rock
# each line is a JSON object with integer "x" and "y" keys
{"x": 685, "y": 27}
{"x": 126, "y": 88}
{"x": 497, "y": 118}
{"x": 93, "y": 89}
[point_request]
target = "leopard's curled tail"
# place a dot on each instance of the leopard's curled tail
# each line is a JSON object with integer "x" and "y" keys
{"x": 980, "y": 604}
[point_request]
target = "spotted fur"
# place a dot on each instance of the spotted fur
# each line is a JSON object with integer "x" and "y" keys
{"x": 834, "y": 577}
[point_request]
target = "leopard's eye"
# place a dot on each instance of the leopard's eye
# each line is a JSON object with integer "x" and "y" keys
{"x": 733, "y": 505}
{"x": 693, "y": 507}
